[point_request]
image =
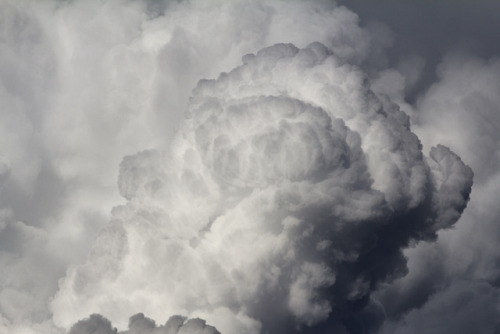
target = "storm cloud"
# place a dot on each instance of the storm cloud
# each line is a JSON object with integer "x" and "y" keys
{"x": 275, "y": 194}
{"x": 235, "y": 167}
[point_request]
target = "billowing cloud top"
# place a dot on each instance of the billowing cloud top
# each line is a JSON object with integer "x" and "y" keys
{"x": 290, "y": 187}
{"x": 139, "y": 324}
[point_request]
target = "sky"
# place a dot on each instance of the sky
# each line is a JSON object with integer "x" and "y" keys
{"x": 249, "y": 167}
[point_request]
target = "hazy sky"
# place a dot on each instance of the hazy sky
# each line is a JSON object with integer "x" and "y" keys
{"x": 249, "y": 167}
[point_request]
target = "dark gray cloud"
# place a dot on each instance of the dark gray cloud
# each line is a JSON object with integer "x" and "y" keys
{"x": 464, "y": 106}
{"x": 457, "y": 105}
{"x": 139, "y": 324}
{"x": 462, "y": 307}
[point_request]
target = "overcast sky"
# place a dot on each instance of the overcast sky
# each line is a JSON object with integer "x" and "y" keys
{"x": 249, "y": 167}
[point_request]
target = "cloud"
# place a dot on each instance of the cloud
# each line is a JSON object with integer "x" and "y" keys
{"x": 95, "y": 324}
{"x": 464, "y": 106}
{"x": 290, "y": 187}
{"x": 464, "y": 307}
{"x": 84, "y": 84}
{"x": 139, "y": 324}
{"x": 456, "y": 106}
{"x": 449, "y": 26}
{"x": 286, "y": 198}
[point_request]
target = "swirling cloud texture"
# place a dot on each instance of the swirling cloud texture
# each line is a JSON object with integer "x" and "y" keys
{"x": 248, "y": 167}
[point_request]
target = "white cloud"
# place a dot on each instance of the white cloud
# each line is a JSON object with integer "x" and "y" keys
{"x": 85, "y": 83}
{"x": 264, "y": 170}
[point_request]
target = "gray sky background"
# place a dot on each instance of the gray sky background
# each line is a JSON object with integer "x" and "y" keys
{"x": 432, "y": 29}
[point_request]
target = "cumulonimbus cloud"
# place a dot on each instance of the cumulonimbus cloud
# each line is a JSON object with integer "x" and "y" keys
{"x": 287, "y": 195}
{"x": 83, "y": 84}
{"x": 280, "y": 203}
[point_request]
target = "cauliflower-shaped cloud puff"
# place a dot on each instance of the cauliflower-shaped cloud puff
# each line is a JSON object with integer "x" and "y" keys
{"x": 286, "y": 197}
{"x": 139, "y": 324}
